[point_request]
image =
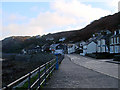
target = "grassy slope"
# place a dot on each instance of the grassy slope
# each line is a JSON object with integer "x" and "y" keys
{"x": 13, "y": 69}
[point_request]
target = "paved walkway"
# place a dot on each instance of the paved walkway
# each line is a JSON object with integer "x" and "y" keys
{"x": 100, "y": 65}
{"x": 71, "y": 75}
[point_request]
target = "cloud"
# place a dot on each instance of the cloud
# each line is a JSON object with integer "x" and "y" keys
{"x": 64, "y": 16}
{"x": 34, "y": 8}
{"x": 16, "y": 17}
{"x": 0, "y": 11}
{"x": 79, "y": 10}
{"x": 39, "y": 25}
{"x": 48, "y": 20}
{"x": 16, "y": 29}
{"x": 113, "y": 4}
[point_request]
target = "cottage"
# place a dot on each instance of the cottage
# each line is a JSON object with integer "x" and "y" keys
{"x": 103, "y": 42}
{"x": 71, "y": 48}
{"x": 99, "y": 43}
{"x": 49, "y": 39}
{"x": 82, "y": 43}
{"x": 46, "y": 48}
{"x": 38, "y": 36}
{"x": 91, "y": 47}
{"x": 53, "y": 47}
{"x": 84, "y": 50}
{"x": 24, "y": 51}
{"x": 62, "y": 39}
{"x": 82, "y": 47}
{"x": 115, "y": 43}
{"x": 31, "y": 49}
{"x": 57, "y": 48}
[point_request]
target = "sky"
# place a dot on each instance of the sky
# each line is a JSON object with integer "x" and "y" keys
{"x": 28, "y": 18}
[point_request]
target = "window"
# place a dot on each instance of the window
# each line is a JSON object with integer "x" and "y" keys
{"x": 102, "y": 42}
{"x": 119, "y": 50}
{"x": 116, "y": 49}
{"x": 111, "y": 40}
{"x": 98, "y": 42}
{"x": 111, "y": 49}
{"x": 103, "y": 49}
{"x": 117, "y": 40}
{"x": 114, "y": 32}
{"x": 98, "y": 48}
{"x": 106, "y": 49}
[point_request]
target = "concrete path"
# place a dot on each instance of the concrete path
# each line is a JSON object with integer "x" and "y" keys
{"x": 71, "y": 75}
{"x": 100, "y": 65}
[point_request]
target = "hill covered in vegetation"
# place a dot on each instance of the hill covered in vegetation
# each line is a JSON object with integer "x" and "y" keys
{"x": 17, "y": 43}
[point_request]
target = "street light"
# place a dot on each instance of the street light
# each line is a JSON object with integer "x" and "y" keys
{"x": 57, "y": 64}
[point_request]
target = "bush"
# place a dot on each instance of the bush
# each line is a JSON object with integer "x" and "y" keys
{"x": 116, "y": 58}
{"x": 100, "y": 55}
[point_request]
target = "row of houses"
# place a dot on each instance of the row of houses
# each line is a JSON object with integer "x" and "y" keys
{"x": 59, "y": 48}
{"x": 63, "y": 48}
{"x": 103, "y": 41}
{"x": 31, "y": 50}
{"x": 50, "y": 38}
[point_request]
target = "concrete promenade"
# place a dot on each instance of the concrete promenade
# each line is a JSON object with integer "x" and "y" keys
{"x": 99, "y": 65}
{"x": 71, "y": 74}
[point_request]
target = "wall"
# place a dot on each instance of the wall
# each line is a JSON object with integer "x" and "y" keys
{"x": 91, "y": 47}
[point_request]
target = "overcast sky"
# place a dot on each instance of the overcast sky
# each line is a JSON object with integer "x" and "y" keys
{"x": 38, "y": 18}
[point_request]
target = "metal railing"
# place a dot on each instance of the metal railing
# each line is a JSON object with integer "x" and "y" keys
{"x": 43, "y": 73}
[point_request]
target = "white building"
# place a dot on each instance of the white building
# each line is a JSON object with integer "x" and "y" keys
{"x": 71, "y": 48}
{"x": 102, "y": 46}
{"x": 84, "y": 50}
{"x": 82, "y": 43}
{"x": 62, "y": 39}
{"x": 103, "y": 42}
{"x": 91, "y": 48}
{"x": 49, "y": 38}
{"x": 115, "y": 42}
{"x": 99, "y": 43}
{"x": 57, "y": 48}
{"x": 24, "y": 51}
{"x": 38, "y": 36}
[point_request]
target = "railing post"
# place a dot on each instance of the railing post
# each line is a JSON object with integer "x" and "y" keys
{"x": 39, "y": 77}
{"x": 57, "y": 64}
{"x": 49, "y": 70}
{"x": 45, "y": 74}
{"x": 6, "y": 88}
{"x": 29, "y": 81}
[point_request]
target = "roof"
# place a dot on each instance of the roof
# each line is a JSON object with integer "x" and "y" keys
{"x": 104, "y": 31}
{"x": 93, "y": 39}
{"x": 70, "y": 44}
{"x": 116, "y": 34}
{"x": 54, "y": 45}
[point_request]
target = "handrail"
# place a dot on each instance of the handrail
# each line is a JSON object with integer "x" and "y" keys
{"x": 48, "y": 68}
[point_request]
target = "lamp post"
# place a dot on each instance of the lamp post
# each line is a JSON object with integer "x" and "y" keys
{"x": 57, "y": 64}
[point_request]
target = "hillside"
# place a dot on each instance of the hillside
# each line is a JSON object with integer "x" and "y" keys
{"x": 13, "y": 44}
{"x": 111, "y": 22}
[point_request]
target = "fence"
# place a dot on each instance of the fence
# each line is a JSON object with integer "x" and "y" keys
{"x": 43, "y": 73}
